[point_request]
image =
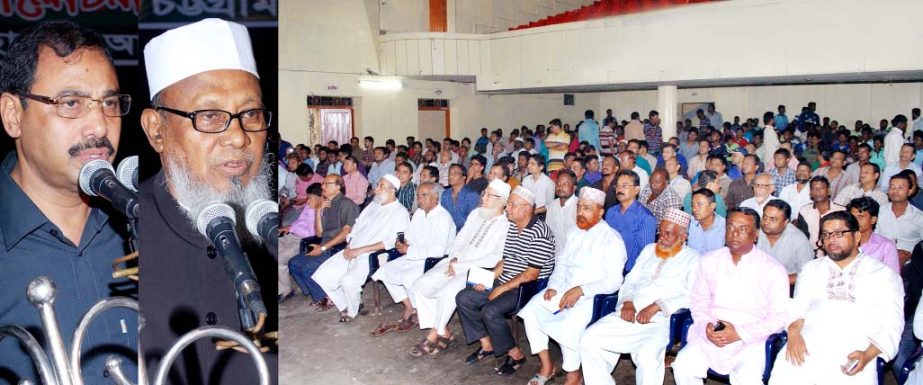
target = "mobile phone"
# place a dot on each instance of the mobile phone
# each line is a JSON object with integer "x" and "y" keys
{"x": 851, "y": 365}
{"x": 400, "y": 237}
{"x": 718, "y": 327}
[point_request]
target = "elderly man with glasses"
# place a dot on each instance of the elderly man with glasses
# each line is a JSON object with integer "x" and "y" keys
{"x": 60, "y": 104}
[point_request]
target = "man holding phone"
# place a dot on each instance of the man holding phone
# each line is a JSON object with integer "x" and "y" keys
{"x": 739, "y": 298}
{"x": 847, "y": 310}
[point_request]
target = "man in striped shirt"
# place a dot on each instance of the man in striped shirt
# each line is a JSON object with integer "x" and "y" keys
{"x": 528, "y": 254}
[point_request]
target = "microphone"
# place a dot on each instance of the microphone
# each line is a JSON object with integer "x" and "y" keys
{"x": 127, "y": 172}
{"x": 98, "y": 179}
{"x": 263, "y": 220}
{"x": 217, "y": 223}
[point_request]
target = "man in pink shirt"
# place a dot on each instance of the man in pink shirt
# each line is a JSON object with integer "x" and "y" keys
{"x": 357, "y": 186}
{"x": 738, "y": 299}
{"x": 865, "y": 210}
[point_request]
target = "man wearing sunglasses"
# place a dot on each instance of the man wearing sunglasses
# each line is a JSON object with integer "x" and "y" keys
{"x": 208, "y": 123}
{"x": 60, "y": 104}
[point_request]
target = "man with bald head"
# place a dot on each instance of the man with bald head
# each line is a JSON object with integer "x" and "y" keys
{"x": 658, "y": 196}
{"x": 656, "y": 287}
{"x": 763, "y": 188}
{"x": 208, "y": 123}
{"x": 590, "y": 264}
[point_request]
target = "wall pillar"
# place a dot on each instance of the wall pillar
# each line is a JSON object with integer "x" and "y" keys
{"x": 667, "y": 105}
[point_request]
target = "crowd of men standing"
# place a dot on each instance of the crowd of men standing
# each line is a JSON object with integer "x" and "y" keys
{"x": 755, "y": 227}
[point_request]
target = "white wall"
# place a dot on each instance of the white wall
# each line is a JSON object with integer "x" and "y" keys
{"x": 327, "y": 36}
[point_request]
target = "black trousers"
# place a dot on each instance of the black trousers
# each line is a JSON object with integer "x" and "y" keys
{"x": 480, "y": 317}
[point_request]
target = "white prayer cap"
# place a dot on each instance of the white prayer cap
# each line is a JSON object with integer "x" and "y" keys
{"x": 210, "y": 44}
{"x": 525, "y": 193}
{"x": 392, "y": 180}
{"x": 677, "y": 216}
{"x": 593, "y": 195}
{"x": 500, "y": 187}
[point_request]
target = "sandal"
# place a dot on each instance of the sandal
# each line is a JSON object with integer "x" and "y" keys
{"x": 425, "y": 347}
{"x": 510, "y": 365}
{"x": 344, "y": 317}
{"x": 442, "y": 343}
{"x": 538, "y": 379}
{"x": 385, "y": 328}
{"x": 325, "y": 304}
{"x": 478, "y": 355}
{"x": 406, "y": 324}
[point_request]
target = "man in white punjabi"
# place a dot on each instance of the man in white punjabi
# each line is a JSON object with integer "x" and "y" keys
{"x": 656, "y": 287}
{"x": 376, "y": 228}
{"x": 591, "y": 263}
{"x": 847, "y": 310}
{"x": 430, "y": 234}
{"x": 562, "y": 211}
{"x": 478, "y": 244}
{"x": 746, "y": 291}
{"x": 528, "y": 255}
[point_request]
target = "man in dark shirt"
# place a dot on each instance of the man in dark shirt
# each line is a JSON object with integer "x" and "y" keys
{"x": 208, "y": 124}
{"x": 60, "y": 103}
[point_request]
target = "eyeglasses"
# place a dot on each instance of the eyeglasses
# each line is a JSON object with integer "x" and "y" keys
{"x": 762, "y": 185}
{"x": 77, "y": 106}
{"x": 835, "y": 234}
{"x": 485, "y": 194}
{"x": 218, "y": 121}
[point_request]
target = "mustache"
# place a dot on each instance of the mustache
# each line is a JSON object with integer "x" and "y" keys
{"x": 90, "y": 144}
{"x": 245, "y": 156}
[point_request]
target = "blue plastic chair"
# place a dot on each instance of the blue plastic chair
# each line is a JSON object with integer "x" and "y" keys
{"x": 603, "y": 305}
{"x": 774, "y": 345}
{"x": 526, "y": 292}
{"x": 431, "y": 262}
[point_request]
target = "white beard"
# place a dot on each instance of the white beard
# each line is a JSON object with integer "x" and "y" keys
{"x": 193, "y": 194}
{"x": 487, "y": 213}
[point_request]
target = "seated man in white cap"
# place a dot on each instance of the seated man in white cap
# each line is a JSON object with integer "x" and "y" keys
{"x": 478, "y": 244}
{"x": 430, "y": 234}
{"x": 591, "y": 263}
{"x": 656, "y": 287}
{"x": 343, "y": 275}
{"x": 528, "y": 255}
{"x": 208, "y": 123}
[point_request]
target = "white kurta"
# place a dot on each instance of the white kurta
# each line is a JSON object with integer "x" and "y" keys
{"x": 666, "y": 282}
{"x": 478, "y": 244}
{"x": 906, "y": 231}
{"x": 843, "y": 311}
{"x": 795, "y": 199}
{"x": 594, "y": 260}
{"x": 429, "y": 235}
{"x": 342, "y": 279}
{"x": 561, "y": 219}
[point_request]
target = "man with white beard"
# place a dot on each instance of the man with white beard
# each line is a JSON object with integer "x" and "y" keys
{"x": 343, "y": 275}
{"x": 478, "y": 244}
{"x": 591, "y": 263}
{"x": 208, "y": 124}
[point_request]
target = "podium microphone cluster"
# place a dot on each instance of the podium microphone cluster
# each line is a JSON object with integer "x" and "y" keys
{"x": 97, "y": 178}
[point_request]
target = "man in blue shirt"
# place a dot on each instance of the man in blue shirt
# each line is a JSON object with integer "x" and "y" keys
{"x": 633, "y": 221}
{"x": 706, "y": 232}
{"x": 459, "y": 199}
{"x": 589, "y": 130}
{"x": 61, "y": 105}
{"x": 781, "y": 120}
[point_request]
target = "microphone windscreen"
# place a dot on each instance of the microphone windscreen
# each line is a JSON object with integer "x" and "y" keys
{"x": 126, "y": 171}
{"x": 212, "y": 212}
{"x": 87, "y": 171}
{"x": 256, "y": 211}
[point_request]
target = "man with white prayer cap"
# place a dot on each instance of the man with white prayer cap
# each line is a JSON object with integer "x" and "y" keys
{"x": 528, "y": 255}
{"x": 478, "y": 244}
{"x": 656, "y": 287}
{"x": 208, "y": 123}
{"x": 591, "y": 263}
{"x": 376, "y": 228}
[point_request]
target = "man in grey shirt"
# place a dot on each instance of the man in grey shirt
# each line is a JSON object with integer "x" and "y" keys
{"x": 782, "y": 240}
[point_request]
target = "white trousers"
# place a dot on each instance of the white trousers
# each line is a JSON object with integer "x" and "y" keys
{"x": 565, "y": 327}
{"x": 820, "y": 367}
{"x": 691, "y": 365}
{"x": 399, "y": 276}
{"x": 288, "y": 247}
{"x": 602, "y": 343}
{"x": 434, "y": 295}
{"x": 342, "y": 280}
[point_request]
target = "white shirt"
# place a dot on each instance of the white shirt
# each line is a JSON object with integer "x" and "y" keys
{"x": 795, "y": 199}
{"x": 379, "y": 223}
{"x": 884, "y": 182}
{"x": 480, "y": 242}
{"x": 666, "y": 282}
{"x": 770, "y": 145}
{"x": 893, "y": 142}
{"x": 543, "y": 188}
{"x": 593, "y": 259}
{"x": 642, "y": 175}
{"x": 755, "y": 204}
{"x": 715, "y": 120}
{"x": 681, "y": 186}
{"x": 429, "y": 234}
{"x": 905, "y": 231}
{"x": 561, "y": 219}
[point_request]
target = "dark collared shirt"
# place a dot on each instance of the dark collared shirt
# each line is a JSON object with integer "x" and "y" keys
{"x": 342, "y": 212}
{"x": 32, "y": 246}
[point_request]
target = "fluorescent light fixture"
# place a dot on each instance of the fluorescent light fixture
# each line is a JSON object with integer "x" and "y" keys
{"x": 391, "y": 84}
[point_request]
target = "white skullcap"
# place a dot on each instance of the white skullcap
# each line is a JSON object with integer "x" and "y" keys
{"x": 500, "y": 187}
{"x": 392, "y": 180}
{"x": 525, "y": 193}
{"x": 677, "y": 216}
{"x": 210, "y": 44}
{"x": 593, "y": 195}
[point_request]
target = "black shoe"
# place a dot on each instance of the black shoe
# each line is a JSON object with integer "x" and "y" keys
{"x": 283, "y": 298}
{"x": 477, "y": 356}
{"x": 510, "y": 366}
